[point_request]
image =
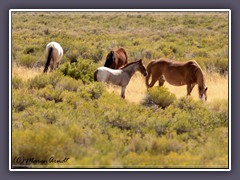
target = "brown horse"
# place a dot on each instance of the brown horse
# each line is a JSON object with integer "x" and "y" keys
{"x": 177, "y": 73}
{"x": 116, "y": 59}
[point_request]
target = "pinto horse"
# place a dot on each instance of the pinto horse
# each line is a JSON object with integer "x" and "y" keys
{"x": 116, "y": 59}
{"x": 177, "y": 73}
{"x": 120, "y": 77}
{"x": 53, "y": 54}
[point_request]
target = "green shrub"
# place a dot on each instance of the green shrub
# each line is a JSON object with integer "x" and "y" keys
{"x": 52, "y": 141}
{"x": 17, "y": 83}
{"x": 197, "y": 114}
{"x": 50, "y": 94}
{"x": 21, "y": 99}
{"x": 27, "y": 60}
{"x": 159, "y": 96}
{"x": 43, "y": 80}
{"x": 91, "y": 91}
{"x": 83, "y": 69}
{"x": 68, "y": 83}
{"x": 72, "y": 55}
{"x": 164, "y": 146}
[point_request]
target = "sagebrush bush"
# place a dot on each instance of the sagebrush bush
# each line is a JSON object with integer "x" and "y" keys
{"x": 159, "y": 96}
{"x": 91, "y": 91}
{"x": 83, "y": 70}
{"x": 52, "y": 141}
{"x": 197, "y": 114}
{"x": 50, "y": 94}
{"x": 68, "y": 83}
{"x": 22, "y": 99}
{"x": 43, "y": 80}
{"x": 27, "y": 60}
{"x": 17, "y": 83}
{"x": 72, "y": 55}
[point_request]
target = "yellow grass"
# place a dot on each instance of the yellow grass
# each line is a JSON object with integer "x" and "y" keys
{"x": 136, "y": 89}
{"x": 24, "y": 72}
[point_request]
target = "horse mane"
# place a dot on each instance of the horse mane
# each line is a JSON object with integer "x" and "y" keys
{"x": 109, "y": 59}
{"x": 126, "y": 65}
{"x": 200, "y": 76}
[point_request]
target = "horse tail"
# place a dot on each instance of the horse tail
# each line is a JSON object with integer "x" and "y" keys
{"x": 95, "y": 75}
{"x": 48, "y": 59}
{"x": 149, "y": 72}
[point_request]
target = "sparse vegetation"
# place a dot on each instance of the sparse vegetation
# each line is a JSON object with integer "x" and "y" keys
{"x": 159, "y": 96}
{"x": 66, "y": 114}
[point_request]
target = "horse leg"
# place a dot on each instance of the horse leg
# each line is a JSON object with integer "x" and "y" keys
{"x": 189, "y": 89}
{"x": 192, "y": 86}
{"x": 123, "y": 92}
{"x": 161, "y": 81}
{"x": 154, "y": 80}
{"x": 51, "y": 65}
{"x": 57, "y": 64}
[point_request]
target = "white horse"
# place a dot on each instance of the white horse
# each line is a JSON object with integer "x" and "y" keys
{"x": 53, "y": 54}
{"x": 120, "y": 77}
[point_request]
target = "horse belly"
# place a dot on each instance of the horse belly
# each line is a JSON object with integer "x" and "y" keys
{"x": 175, "y": 81}
{"x": 104, "y": 76}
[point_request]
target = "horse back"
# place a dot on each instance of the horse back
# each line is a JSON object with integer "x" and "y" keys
{"x": 193, "y": 71}
{"x": 121, "y": 57}
{"x": 122, "y": 54}
{"x": 57, "y": 51}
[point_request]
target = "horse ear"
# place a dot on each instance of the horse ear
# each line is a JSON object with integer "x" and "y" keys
{"x": 140, "y": 60}
{"x": 206, "y": 89}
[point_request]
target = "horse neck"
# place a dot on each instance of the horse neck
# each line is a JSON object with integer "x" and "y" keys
{"x": 130, "y": 69}
{"x": 200, "y": 80}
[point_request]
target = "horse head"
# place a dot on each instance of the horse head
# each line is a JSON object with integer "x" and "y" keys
{"x": 109, "y": 59}
{"x": 203, "y": 94}
{"x": 142, "y": 68}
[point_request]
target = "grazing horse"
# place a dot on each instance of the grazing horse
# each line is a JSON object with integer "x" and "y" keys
{"x": 120, "y": 77}
{"x": 116, "y": 59}
{"x": 53, "y": 54}
{"x": 177, "y": 73}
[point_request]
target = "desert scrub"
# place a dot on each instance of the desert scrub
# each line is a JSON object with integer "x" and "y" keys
{"x": 83, "y": 70}
{"x": 22, "y": 99}
{"x": 43, "y": 80}
{"x": 159, "y": 96}
{"x": 91, "y": 91}
{"x": 52, "y": 141}
{"x": 50, "y": 94}
{"x": 220, "y": 108}
{"x": 68, "y": 83}
{"x": 196, "y": 113}
{"x": 65, "y": 113}
{"x": 17, "y": 82}
{"x": 27, "y": 60}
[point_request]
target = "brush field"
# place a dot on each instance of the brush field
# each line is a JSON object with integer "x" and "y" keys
{"x": 65, "y": 114}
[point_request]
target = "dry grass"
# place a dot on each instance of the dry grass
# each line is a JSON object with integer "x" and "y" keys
{"x": 24, "y": 72}
{"x": 136, "y": 89}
